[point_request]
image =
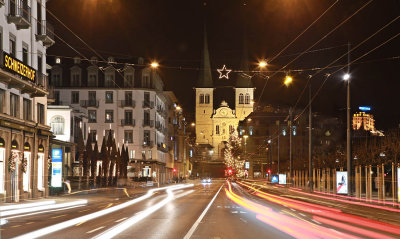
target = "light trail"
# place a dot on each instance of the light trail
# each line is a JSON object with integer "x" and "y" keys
{"x": 72, "y": 222}
{"x": 41, "y": 212}
{"x": 112, "y": 232}
{"x": 25, "y": 205}
{"x": 39, "y": 208}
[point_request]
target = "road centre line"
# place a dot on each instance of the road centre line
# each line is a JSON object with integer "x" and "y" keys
{"x": 196, "y": 224}
{"x": 119, "y": 220}
{"x": 99, "y": 228}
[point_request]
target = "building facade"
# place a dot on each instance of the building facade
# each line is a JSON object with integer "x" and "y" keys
{"x": 363, "y": 121}
{"x": 24, "y": 135}
{"x": 122, "y": 100}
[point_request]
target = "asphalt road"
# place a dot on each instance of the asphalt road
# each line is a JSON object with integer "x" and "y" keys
{"x": 201, "y": 211}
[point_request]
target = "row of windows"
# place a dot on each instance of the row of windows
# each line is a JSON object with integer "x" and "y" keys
{"x": 15, "y": 107}
{"x": 109, "y": 96}
{"x": 109, "y": 116}
{"x": 244, "y": 99}
{"x": 217, "y": 129}
{"x": 204, "y": 99}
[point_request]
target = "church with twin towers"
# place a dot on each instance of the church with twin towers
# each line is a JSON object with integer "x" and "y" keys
{"x": 221, "y": 102}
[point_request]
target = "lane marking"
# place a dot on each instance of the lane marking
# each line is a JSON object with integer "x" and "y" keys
{"x": 109, "y": 205}
{"x": 99, "y": 228}
{"x": 302, "y": 214}
{"x": 196, "y": 224}
{"x": 234, "y": 211}
{"x": 84, "y": 210}
{"x": 16, "y": 226}
{"x": 29, "y": 223}
{"x": 80, "y": 223}
{"x": 316, "y": 221}
{"x": 243, "y": 220}
{"x": 59, "y": 216}
{"x": 121, "y": 219}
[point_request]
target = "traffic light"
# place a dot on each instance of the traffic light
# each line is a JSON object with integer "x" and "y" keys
{"x": 269, "y": 171}
{"x": 174, "y": 170}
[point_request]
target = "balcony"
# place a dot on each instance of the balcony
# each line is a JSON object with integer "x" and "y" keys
{"x": 160, "y": 127}
{"x": 45, "y": 33}
{"x": 148, "y": 104}
{"x": 127, "y": 122}
{"x": 162, "y": 147}
{"x": 148, "y": 123}
{"x": 127, "y": 103}
{"x": 19, "y": 13}
{"x": 90, "y": 103}
{"x": 147, "y": 143}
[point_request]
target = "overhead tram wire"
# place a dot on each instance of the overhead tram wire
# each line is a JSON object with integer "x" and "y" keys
{"x": 333, "y": 62}
{"x": 352, "y": 62}
{"x": 325, "y": 36}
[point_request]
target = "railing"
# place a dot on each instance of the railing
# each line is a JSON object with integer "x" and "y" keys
{"x": 149, "y": 123}
{"x": 147, "y": 143}
{"x": 148, "y": 104}
{"x": 127, "y": 103}
{"x": 19, "y": 8}
{"x": 128, "y": 122}
{"x": 44, "y": 28}
{"x": 89, "y": 103}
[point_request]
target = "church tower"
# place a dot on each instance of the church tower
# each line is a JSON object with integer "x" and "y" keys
{"x": 204, "y": 98}
{"x": 244, "y": 90}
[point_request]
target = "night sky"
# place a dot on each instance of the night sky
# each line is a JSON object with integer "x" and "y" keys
{"x": 171, "y": 31}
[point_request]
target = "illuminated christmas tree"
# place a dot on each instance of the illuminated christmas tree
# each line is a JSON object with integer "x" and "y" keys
{"x": 232, "y": 154}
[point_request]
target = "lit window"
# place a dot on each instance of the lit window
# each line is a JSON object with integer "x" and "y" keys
{"x": 57, "y": 125}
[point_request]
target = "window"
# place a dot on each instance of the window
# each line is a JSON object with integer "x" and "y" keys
{"x": 217, "y": 129}
{"x": 14, "y": 105}
{"x": 27, "y": 109}
{"x": 40, "y": 171}
{"x": 2, "y": 100}
{"x": 92, "y": 116}
{"x": 93, "y": 135}
{"x": 109, "y": 81}
{"x": 284, "y": 131}
{"x": 146, "y": 137}
{"x": 146, "y": 81}
{"x": 241, "y": 98}
{"x": 57, "y": 97}
{"x": 240, "y": 130}
{"x": 146, "y": 117}
{"x": 77, "y": 60}
{"x": 57, "y": 125}
{"x": 92, "y": 97}
{"x": 128, "y": 117}
{"x": 40, "y": 113}
{"x": 109, "y": 97}
{"x": 75, "y": 97}
{"x": 250, "y": 130}
{"x": 12, "y": 46}
{"x": 143, "y": 154}
{"x": 56, "y": 79}
{"x": 247, "y": 100}
{"x": 40, "y": 62}
{"x": 128, "y": 96}
{"x": 231, "y": 129}
{"x": 76, "y": 79}
{"x": 207, "y": 99}
{"x": 2, "y": 167}
{"x": 132, "y": 153}
{"x": 128, "y": 80}
{"x": 26, "y": 175}
{"x": 128, "y": 136}
{"x": 149, "y": 155}
{"x": 109, "y": 116}
{"x": 25, "y": 54}
{"x": 147, "y": 96}
{"x": 92, "y": 80}
{"x": 201, "y": 99}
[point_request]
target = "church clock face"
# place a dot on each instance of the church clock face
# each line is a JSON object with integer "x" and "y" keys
{"x": 224, "y": 112}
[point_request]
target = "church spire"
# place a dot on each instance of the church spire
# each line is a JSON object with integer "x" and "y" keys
{"x": 205, "y": 79}
{"x": 243, "y": 80}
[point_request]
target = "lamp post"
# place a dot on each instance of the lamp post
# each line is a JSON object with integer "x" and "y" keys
{"x": 346, "y": 77}
{"x": 310, "y": 163}
{"x": 245, "y": 150}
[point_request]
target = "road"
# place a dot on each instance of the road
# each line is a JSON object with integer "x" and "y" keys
{"x": 216, "y": 210}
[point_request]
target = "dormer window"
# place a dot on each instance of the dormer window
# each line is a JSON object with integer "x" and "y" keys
{"x": 58, "y": 60}
{"x": 109, "y": 78}
{"x": 247, "y": 99}
{"x": 75, "y": 76}
{"x": 77, "y": 60}
{"x": 241, "y": 98}
{"x": 93, "y": 60}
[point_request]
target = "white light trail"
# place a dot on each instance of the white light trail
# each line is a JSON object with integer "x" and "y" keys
{"x": 41, "y": 212}
{"x": 34, "y": 209}
{"x": 25, "y": 205}
{"x": 69, "y": 223}
{"x": 141, "y": 215}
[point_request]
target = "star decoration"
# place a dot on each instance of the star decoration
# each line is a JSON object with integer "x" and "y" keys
{"x": 223, "y": 72}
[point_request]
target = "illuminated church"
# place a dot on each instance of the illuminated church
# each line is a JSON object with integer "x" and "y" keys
{"x": 221, "y": 104}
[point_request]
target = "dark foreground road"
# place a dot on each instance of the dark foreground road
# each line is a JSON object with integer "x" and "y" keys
{"x": 216, "y": 210}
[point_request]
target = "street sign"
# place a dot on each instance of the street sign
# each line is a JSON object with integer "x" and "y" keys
{"x": 282, "y": 178}
{"x": 56, "y": 168}
{"x": 341, "y": 182}
{"x": 274, "y": 179}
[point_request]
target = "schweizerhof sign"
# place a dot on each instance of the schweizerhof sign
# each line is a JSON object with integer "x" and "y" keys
{"x": 15, "y": 66}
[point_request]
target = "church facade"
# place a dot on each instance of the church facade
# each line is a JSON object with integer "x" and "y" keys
{"x": 215, "y": 118}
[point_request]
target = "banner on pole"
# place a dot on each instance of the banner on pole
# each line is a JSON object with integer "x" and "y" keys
{"x": 341, "y": 182}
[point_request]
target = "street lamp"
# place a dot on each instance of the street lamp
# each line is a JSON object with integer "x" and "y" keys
{"x": 154, "y": 64}
{"x": 346, "y": 77}
{"x": 288, "y": 80}
{"x": 193, "y": 124}
{"x": 262, "y": 64}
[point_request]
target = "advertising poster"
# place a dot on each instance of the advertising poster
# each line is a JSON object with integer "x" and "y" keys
{"x": 56, "y": 168}
{"x": 341, "y": 182}
{"x": 282, "y": 178}
{"x": 398, "y": 184}
{"x": 274, "y": 179}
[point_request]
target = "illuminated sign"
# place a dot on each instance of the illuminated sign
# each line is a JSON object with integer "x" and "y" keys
{"x": 274, "y": 179}
{"x": 56, "y": 168}
{"x": 341, "y": 182}
{"x": 282, "y": 178}
{"x": 247, "y": 165}
{"x": 398, "y": 184}
{"x": 15, "y": 66}
{"x": 364, "y": 108}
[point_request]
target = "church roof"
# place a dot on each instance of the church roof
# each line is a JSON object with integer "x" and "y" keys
{"x": 205, "y": 78}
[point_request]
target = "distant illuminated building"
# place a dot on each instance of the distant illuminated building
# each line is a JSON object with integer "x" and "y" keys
{"x": 365, "y": 121}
